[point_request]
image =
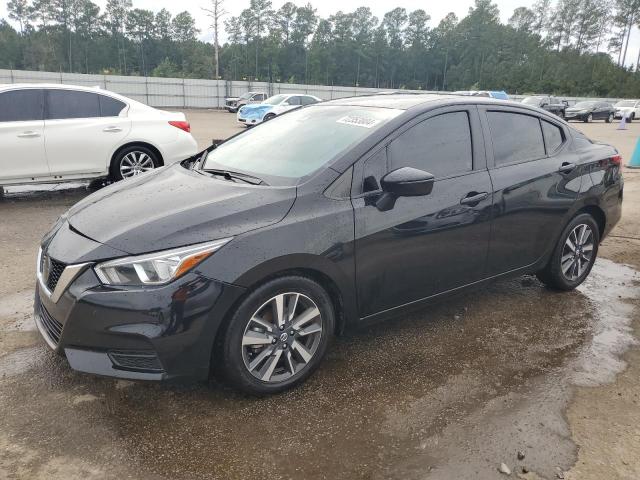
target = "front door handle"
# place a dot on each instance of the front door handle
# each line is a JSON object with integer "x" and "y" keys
{"x": 112, "y": 129}
{"x": 474, "y": 198}
{"x": 28, "y": 134}
{"x": 567, "y": 167}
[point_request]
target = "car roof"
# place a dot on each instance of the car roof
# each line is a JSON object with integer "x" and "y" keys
{"x": 410, "y": 101}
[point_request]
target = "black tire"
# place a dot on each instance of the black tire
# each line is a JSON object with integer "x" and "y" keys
{"x": 115, "y": 173}
{"x": 609, "y": 119}
{"x": 552, "y": 275}
{"x": 588, "y": 118}
{"x": 269, "y": 116}
{"x": 228, "y": 354}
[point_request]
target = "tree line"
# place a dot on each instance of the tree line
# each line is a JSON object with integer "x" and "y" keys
{"x": 564, "y": 47}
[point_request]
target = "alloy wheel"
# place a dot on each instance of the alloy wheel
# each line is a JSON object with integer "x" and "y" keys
{"x": 282, "y": 337}
{"x": 577, "y": 253}
{"x": 135, "y": 163}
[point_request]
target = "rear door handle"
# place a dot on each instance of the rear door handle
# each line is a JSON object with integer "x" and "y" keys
{"x": 28, "y": 134}
{"x": 566, "y": 167}
{"x": 474, "y": 198}
{"x": 112, "y": 129}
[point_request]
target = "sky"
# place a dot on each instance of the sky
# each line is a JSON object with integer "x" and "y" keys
{"x": 437, "y": 9}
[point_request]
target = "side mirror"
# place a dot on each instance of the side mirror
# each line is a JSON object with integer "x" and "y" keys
{"x": 544, "y": 104}
{"x": 403, "y": 182}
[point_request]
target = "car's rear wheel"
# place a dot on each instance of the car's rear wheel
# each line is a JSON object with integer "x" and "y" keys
{"x": 574, "y": 254}
{"x": 133, "y": 161}
{"x": 609, "y": 118}
{"x": 277, "y": 336}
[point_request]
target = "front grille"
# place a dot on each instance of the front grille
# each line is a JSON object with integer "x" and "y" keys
{"x": 55, "y": 269}
{"x": 52, "y": 327}
{"x": 136, "y": 360}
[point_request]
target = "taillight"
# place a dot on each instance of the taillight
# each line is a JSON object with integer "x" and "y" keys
{"x": 182, "y": 126}
{"x": 616, "y": 160}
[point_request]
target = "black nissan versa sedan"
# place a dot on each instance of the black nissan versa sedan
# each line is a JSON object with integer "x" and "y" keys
{"x": 248, "y": 258}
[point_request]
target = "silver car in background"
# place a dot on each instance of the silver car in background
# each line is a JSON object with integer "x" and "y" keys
{"x": 233, "y": 104}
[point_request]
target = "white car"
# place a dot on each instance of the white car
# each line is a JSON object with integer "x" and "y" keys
{"x": 256, "y": 113}
{"x": 57, "y": 133}
{"x": 627, "y": 108}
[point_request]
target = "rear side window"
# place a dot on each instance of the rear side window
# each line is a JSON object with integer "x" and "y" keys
{"x": 307, "y": 100}
{"x": 63, "y": 104}
{"x": 21, "y": 105}
{"x": 516, "y": 137}
{"x": 440, "y": 145}
{"x": 553, "y": 136}
{"x": 110, "y": 107}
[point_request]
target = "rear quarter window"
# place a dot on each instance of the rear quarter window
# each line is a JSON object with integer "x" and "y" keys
{"x": 553, "y": 136}
{"x": 110, "y": 107}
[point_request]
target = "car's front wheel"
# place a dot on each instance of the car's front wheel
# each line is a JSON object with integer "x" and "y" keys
{"x": 588, "y": 118}
{"x": 269, "y": 116}
{"x": 132, "y": 161}
{"x": 277, "y": 336}
{"x": 574, "y": 254}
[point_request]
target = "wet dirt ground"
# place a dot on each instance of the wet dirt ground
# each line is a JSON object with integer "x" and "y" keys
{"x": 448, "y": 392}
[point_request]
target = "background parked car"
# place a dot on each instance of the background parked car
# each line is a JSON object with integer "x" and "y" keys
{"x": 254, "y": 114}
{"x": 628, "y": 108}
{"x": 499, "y": 94}
{"x": 232, "y": 104}
{"x": 591, "y": 110}
{"x": 56, "y": 133}
{"x": 548, "y": 103}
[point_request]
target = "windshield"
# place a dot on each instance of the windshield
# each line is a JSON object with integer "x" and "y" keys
{"x": 532, "y": 100}
{"x": 245, "y": 96}
{"x": 275, "y": 100}
{"x": 585, "y": 105}
{"x": 626, "y": 103}
{"x": 298, "y": 143}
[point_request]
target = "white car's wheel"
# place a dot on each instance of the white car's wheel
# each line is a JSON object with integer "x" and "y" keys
{"x": 133, "y": 161}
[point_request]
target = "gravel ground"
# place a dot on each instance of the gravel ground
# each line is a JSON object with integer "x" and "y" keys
{"x": 449, "y": 392}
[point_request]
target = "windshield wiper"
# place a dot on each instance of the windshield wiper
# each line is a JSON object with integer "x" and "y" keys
{"x": 232, "y": 176}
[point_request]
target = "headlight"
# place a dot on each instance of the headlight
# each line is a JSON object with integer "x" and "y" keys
{"x": 156, "y": 268}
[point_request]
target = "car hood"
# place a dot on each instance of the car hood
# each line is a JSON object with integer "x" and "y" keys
{"x": 173, "y": 207}
{"x": 574, "y": 110}
{"x": 256, "y": 106}
{"x": 232, "y": 98}
{"x": 625, "y": 109}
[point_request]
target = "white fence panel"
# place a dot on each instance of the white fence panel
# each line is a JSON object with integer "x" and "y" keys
{"x": 199, "y": 93}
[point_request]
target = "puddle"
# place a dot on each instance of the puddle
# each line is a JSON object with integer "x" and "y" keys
{"x": 609, "y": 291}
{"x": 449, "y": 392}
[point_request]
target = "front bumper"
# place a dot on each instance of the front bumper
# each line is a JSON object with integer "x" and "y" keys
{"x": 142, "y": 333}
{"x": 575, "y": 116}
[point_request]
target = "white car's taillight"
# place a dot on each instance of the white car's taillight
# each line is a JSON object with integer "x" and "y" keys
{"x": 181, "y": 125}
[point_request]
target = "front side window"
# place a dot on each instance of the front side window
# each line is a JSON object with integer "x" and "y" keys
{"x": 21, "y": 105}
{"x": 66, "y": 104}
{"x": 293, "y": 100}
{"x": 553, "y": 136}
{"x": 295, "y": 145}
{"x": 440, "y": 145}
{"x": 516, "y": 137}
